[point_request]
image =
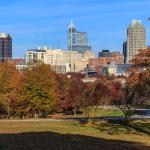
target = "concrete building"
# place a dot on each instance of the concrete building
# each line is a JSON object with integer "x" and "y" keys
{"x": 34, "y": 55}
{"x": 77, "y": 41}
{"x": 116, "y": 69}
{"x": 5, "y": 47}
{"x": 60, "y": 61}
{"x": 19, "y": 63}
{"x": 104, "y": 53}
{"x": 107, "y": 53}
{"x": 98, "y": 63}
{"x": 136, "y": 39}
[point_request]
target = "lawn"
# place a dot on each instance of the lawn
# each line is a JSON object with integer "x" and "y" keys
{"x": 99, "y": 113}
{"x": 47, "y": 135}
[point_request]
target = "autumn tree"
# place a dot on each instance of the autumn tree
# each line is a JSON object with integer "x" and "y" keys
{"x": 125, "y": 98}
{"x": 140, "y": 73}
{"x": 38, "y": 93}
{"x": 142, "y": 59}
{"x": 62, "y": 87}
{"x": 74, "y": 92}
{"x": 9, "y": 84}
{"x": 71, "y": 88}
{"x": 137, "y": 87}
{"x": 94, "y": 96}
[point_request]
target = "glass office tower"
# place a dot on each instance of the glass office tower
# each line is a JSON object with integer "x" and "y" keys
{"x": 5, "y": 47}
{"x": 77, "y": 41}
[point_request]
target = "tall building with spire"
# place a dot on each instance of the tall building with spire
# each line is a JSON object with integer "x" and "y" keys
{"x": 5, "y": 47}
{"x": 136, "y": 40}
{"x": 77, "y": 41}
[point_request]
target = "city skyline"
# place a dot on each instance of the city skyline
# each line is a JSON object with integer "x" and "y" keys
{"x": 30, "y": 27}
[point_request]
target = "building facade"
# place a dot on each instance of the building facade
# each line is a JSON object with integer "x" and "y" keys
{"x": 77, "y": 41}
{"x": 125, "y": 50}
{"x": 59, "y": 60}
{"x": 111, "y": 57}
{"x": 104, "y": 53}
{"x": 5, "y": 47}
{"x": 19, "y": 63}
{"x": 116, "y": 69}
{"x": 136, "y": 39}
{"x": 34, "y": 55}
{"x": 107, "y": 53}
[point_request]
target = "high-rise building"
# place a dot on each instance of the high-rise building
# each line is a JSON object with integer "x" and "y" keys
{"x": 136, "y": 39}
{"x": 125, "y": 50}
{"x": 5, "y": 47}
{"x": 77, "y": 41}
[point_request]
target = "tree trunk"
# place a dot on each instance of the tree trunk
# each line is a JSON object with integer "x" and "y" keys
{"x": 35, "y": 115}
{"x": 74, "y": 111}
{"x": 127, "y": 117}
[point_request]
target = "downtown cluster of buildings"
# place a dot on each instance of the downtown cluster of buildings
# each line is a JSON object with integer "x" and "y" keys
{"x": 79, "y": 56}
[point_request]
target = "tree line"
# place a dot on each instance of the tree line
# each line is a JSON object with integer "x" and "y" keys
{"x": 38, "y": 91}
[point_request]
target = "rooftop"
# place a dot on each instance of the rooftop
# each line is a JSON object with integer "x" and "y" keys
{"x": 4, "y": 35}
{"x": 136, "y": 23}
{"x": 71, "y": 25}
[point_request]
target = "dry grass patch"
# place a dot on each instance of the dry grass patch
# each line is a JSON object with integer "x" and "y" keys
{"x": 73, "y": 136}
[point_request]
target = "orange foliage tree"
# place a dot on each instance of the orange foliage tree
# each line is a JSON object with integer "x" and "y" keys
{"x": 38, "y": 92}
{"x": 137, "y": 87}
{"x": 9, "y": 85}
{"x": 94, "y": 95}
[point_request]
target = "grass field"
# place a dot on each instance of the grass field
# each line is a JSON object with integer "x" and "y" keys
{"x": 46, "y": 135}
{"x": 100, "y": 113}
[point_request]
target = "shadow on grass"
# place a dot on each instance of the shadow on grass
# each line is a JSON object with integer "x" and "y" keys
{"x": 55, "y": 141}
{"x": 118, "y": 127}
{"x": 140, "y": 127}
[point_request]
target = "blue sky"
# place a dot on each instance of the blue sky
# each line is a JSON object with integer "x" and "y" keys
{"x": 34, "y": 23}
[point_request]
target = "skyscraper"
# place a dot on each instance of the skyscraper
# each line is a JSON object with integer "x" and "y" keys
{"x": 136, "y": 39}
{"x": 5, "y": 47}
{"x": 77, "y": 41}
{"x": 125, "y": 51}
